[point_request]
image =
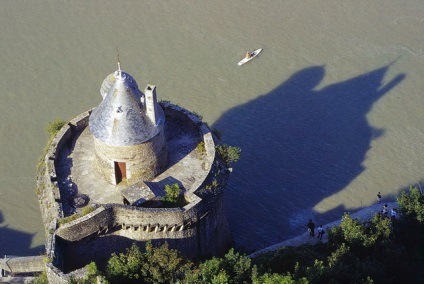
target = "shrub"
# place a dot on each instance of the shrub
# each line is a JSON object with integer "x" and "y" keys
{"x": 172, "y": 193}
{"x": 53, "y": 127}
{"x": 173, "y": 197}
{"x": 228, "y": 153}
{"x": 86, "y": 210}
{"x": 200, "y": 148}
{"x": 40, "y": 279}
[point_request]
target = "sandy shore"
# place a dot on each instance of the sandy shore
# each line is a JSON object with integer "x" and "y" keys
{"x": 363, "y": 214}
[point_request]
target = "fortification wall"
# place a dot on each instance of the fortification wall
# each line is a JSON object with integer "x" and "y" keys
{"x": 27, "y": 264}
{"x": 199, "y": 228}
{"x": 190, "y": 120}
{"x": 56, "y": 276}
{"x": 47, "y": 187}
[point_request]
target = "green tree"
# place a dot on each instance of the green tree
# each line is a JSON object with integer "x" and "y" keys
{"x": 412, "y": 204}
{"x": 274, "y": 278}
{"x": 353, "y": 230}
{"x": 338, "y": 255}
{"x": 377, "y": 230}
{"x": 232, "y": 268}
{"x": 163, "y": 265}
{"x": 125, "y": 267}
{"x": 317, "y": 272}
{"x": 154, "y": 265}
{"x": 93, "y": 275}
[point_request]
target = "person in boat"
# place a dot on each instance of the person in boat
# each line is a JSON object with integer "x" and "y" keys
{"x": 249, "y": 54}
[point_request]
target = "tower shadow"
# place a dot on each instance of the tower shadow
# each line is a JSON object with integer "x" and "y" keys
{"x": 16, "y": 243}
{"x": 299, "y": 145}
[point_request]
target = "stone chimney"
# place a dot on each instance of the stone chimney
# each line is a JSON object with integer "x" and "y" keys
{"x": 151, "y": 104}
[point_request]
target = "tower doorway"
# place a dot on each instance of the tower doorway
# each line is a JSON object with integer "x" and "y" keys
{"x": 120, "y": 171}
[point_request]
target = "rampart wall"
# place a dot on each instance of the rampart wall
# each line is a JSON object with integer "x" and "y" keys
{"x": 199, "y": 228}
{"x": 27, "y": 264}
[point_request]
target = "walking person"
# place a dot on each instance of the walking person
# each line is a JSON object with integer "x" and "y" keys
{"x": 321, "y": 232}
{"x": 379, "y": 197}
{"x": 393, "y": 214}
{"x": 311, "y": 228}
{"x": 385, "y": 210}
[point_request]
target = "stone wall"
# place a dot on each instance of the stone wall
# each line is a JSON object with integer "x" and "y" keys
{"x": 27, "y": 264}
{"x": 47, "y": 187}
{"x": 143, "y": 161}
{"x": 199, "y": 228}
{"x": 48, "y": 190}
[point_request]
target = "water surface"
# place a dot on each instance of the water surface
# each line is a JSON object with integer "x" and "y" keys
{"x": 329, "y": 114}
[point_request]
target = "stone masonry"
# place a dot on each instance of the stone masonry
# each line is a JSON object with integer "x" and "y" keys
{"x": 127, "y": 212}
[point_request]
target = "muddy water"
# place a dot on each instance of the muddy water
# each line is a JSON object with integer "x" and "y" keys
{"x": 327, "y": 115}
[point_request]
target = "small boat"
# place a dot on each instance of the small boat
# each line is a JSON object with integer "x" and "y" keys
{"x": 252, "y": 54}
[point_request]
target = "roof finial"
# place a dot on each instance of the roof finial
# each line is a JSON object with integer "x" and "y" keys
{"x": 119, "y": 63}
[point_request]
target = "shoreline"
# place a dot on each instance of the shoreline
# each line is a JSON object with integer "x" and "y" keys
{"x": 362, "y": 214}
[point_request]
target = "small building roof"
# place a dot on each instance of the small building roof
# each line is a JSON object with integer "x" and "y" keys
{"x": 138, "y": 193}
{"x": 120, "y": 120}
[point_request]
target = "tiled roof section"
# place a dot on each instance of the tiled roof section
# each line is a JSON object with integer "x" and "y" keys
{"x": 110, "y": 80}
{"x": 119, "y": 120}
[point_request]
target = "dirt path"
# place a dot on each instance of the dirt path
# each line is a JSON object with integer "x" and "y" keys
{"x": 363, "y": 214}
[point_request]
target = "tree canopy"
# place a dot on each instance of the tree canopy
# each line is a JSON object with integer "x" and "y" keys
{"x": 380, "y": 250}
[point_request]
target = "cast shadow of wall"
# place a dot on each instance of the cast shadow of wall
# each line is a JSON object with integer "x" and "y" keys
{"x": 16, "y": 243}
{"x": 299, "y": 145}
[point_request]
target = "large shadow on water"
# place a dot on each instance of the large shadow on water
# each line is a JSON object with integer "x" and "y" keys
{"x": 299, "y": 145}
{"x": 16, "y": 243}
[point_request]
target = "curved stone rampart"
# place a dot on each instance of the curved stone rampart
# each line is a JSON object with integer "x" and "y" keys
{"x": 147, "y": 220}
{"x": 49, "y": 193}
{"x": 199, "y": 228}
{"x": 188, "y": 118}
{"x": 48, "y": 190}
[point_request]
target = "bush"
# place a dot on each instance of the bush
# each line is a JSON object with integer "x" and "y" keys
{"x": 173, "y": 197}
{"x": 40, "y": 279}
{"x": 53, "y": 127}
{"x": 229, "y": 154}
{"x": 200, "y": 148}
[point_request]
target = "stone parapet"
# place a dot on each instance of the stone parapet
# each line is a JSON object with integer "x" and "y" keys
{"x": 27, "y": 264}
{"x": 199, "y": 228}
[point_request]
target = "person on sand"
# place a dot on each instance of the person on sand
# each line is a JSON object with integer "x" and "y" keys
{"x": 379, "y": 197}
{"x": 311, "y": 228}
{"x": 393, "y": 214}
{"x": 321, "y": 232}
{"x": 385, "y": 210}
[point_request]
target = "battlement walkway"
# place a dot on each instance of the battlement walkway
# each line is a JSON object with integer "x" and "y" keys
{"x": 20, "y": 269}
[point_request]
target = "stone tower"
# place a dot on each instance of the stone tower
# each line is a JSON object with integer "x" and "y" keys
{"x": 116, "y": 160}
{"x": 128, "y": 131}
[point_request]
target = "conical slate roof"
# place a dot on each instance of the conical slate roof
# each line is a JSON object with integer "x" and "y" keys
{"x": 119, "y": 120}
{"x": 110, "y": 80}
